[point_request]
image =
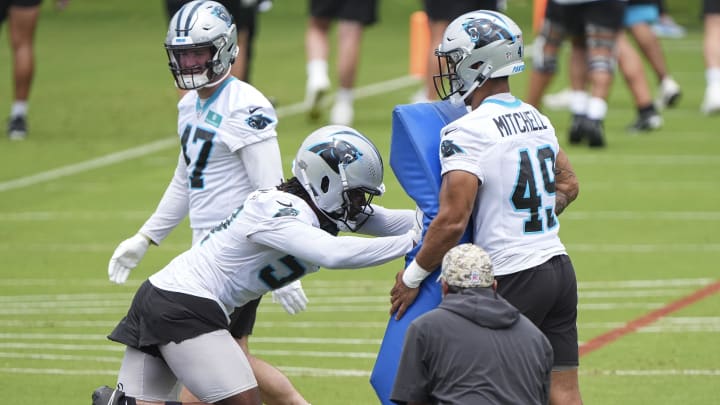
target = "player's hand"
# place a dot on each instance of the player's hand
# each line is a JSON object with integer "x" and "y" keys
{"x": 401, "y": 297}
{"x": 291, "y": 297}
{"x": 127, "y": 255}
{"x": 417, "y": 229}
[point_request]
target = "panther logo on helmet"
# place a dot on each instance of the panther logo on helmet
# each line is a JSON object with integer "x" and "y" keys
{"x": 335, "y": 152}
{"x": 220, "y": 13}
{"x": 483, "y": 32}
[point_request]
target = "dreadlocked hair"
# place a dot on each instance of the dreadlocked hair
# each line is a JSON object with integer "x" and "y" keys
{"x": 294, "y": 187}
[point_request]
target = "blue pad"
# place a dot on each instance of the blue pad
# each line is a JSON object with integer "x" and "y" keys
{"x": 414, "y": 158}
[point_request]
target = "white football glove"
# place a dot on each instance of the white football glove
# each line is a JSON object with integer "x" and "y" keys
{"x": 417, "y": 229}
{"x": 127, "y": 255}
{"x": 291, "y": 297}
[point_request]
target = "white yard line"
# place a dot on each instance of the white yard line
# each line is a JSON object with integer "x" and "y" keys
{"x": 139, "y": 151}
{"x": 331, "y": 372}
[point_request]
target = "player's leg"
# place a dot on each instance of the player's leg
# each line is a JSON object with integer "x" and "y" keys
{"x": 317, "y": 48}
{"x": 22, "y": 21}
{"x": 603, "y": 24}
{"x": 711, "y": 101}
{"x": 545, "y": 52}
{"x": 275, "y": 387}
{"x": 349, "y": 41}
{"x": 633, "y": 71}
{"x": 638, "y": 19}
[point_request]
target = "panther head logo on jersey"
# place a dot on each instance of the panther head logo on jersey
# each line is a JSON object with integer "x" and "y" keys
{"x": 258, "y": 121}
{"x": 336, "y": 152}
{"x": 286, "y": 212}
{"x": 448, "y": 148}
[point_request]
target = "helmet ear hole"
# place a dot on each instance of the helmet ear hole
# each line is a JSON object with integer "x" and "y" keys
{"x": 325, "y": 184}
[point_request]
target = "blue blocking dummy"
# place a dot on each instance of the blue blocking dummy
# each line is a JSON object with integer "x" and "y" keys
{"x": 414, "y": 158}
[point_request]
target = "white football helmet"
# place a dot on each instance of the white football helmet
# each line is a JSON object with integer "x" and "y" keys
{"x": 477, "y": 46}
{"x": 342, "y": 171}
{"x": 201, "y": 24}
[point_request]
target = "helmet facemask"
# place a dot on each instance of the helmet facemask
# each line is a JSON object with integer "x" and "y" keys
{"x": 200, "y": 75}
{"x": 342, "y": 171}
{"x": 201, "y": 26}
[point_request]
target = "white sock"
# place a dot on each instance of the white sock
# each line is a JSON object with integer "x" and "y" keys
{"x": 344, "y": 95}
{"x": 19, "y": 108}
{"x": 712, "y": 76}
{"x": 317, "y": 67}
{"x": 597, "y": 108}
{"x": 578, "y": 102}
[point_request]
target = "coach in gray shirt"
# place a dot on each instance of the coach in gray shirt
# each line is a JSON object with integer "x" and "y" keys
{"x": 474, "y": 348}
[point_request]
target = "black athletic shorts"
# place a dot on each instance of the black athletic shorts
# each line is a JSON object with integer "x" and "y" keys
{"x": 444, "y": 10}
{"x": 575, "y": 17}
{"x": 711, "y": 7}
{"x": 547, "y": 295}
{"x": 5, "y": 4}
{"x": 362, "y": 11}
{"x": 158, "y": 317}
{"x": 244, "y": 17}
{"x": 242, "y": 319}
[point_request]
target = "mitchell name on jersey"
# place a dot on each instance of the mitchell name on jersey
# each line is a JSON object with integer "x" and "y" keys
{"x": 519, "y": 122}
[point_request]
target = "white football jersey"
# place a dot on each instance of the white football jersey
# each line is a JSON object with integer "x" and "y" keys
{"x": 511, "y": 148}
{"x": 211, "y": 132}
{"x": 270, "y": 241}
{"x": 229, "y": 148}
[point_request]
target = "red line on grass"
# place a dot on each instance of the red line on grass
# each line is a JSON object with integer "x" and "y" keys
{"x": 615, "y": 334}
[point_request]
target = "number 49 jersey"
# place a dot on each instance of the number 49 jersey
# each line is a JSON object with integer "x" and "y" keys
{"x": 212, "y": 132}
{"x": 511, "y": 148}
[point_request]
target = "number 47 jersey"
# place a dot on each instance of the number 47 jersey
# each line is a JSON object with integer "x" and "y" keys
{"x": 220, "y": 138}
{"x": 511, "y": 148}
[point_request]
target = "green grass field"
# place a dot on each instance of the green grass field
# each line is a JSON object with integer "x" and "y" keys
{"x": 643, "y": 233}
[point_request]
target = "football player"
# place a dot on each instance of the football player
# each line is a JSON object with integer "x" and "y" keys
{"x": 502, "y": 166}
{"x": 228, "y": 148}
{"x": 177, "y": 327}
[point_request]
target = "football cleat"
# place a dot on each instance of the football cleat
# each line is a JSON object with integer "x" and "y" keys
{"x": 107, "y": 396}
{"x": 576, "y": 134}
{"x": 669, "y": 93}
{"x": 646, "y": 122}
{"x": 315, "y": 92}
{"x": 17, "y": 128}
{"x": 711, "y": 102}
{"x": 342, "y": 113}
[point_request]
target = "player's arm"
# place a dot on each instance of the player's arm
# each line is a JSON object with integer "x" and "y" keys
{"x": 387, "y": 222}
{"x": 316, "y": 246}
{"x": 456, "y": 201}
{"x": 172, "y": 208}
{"x": 566, "y": 183}
{"x": 263, "y": 163}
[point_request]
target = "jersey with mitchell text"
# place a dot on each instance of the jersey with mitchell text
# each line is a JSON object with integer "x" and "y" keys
{"x": 273, "y": 239}
{"x": 511, "y": 148}
{"x": 211, "y": 133}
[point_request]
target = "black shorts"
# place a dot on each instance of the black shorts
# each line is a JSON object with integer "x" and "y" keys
{"x": 362, "y": 11}
{"x": 444, "y": 10}
{"x": 158, "y": 317}
{"x": 547, "y": 295}
{"x": 242, "y": 319}
{"x": 711, "y": 7}
{"x": 244, "y": 17}
{"x": 576, "y": 17}
{"x": 5, "y": 4}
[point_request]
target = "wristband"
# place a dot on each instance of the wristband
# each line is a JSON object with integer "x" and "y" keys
{"x": 414, "y": 275}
